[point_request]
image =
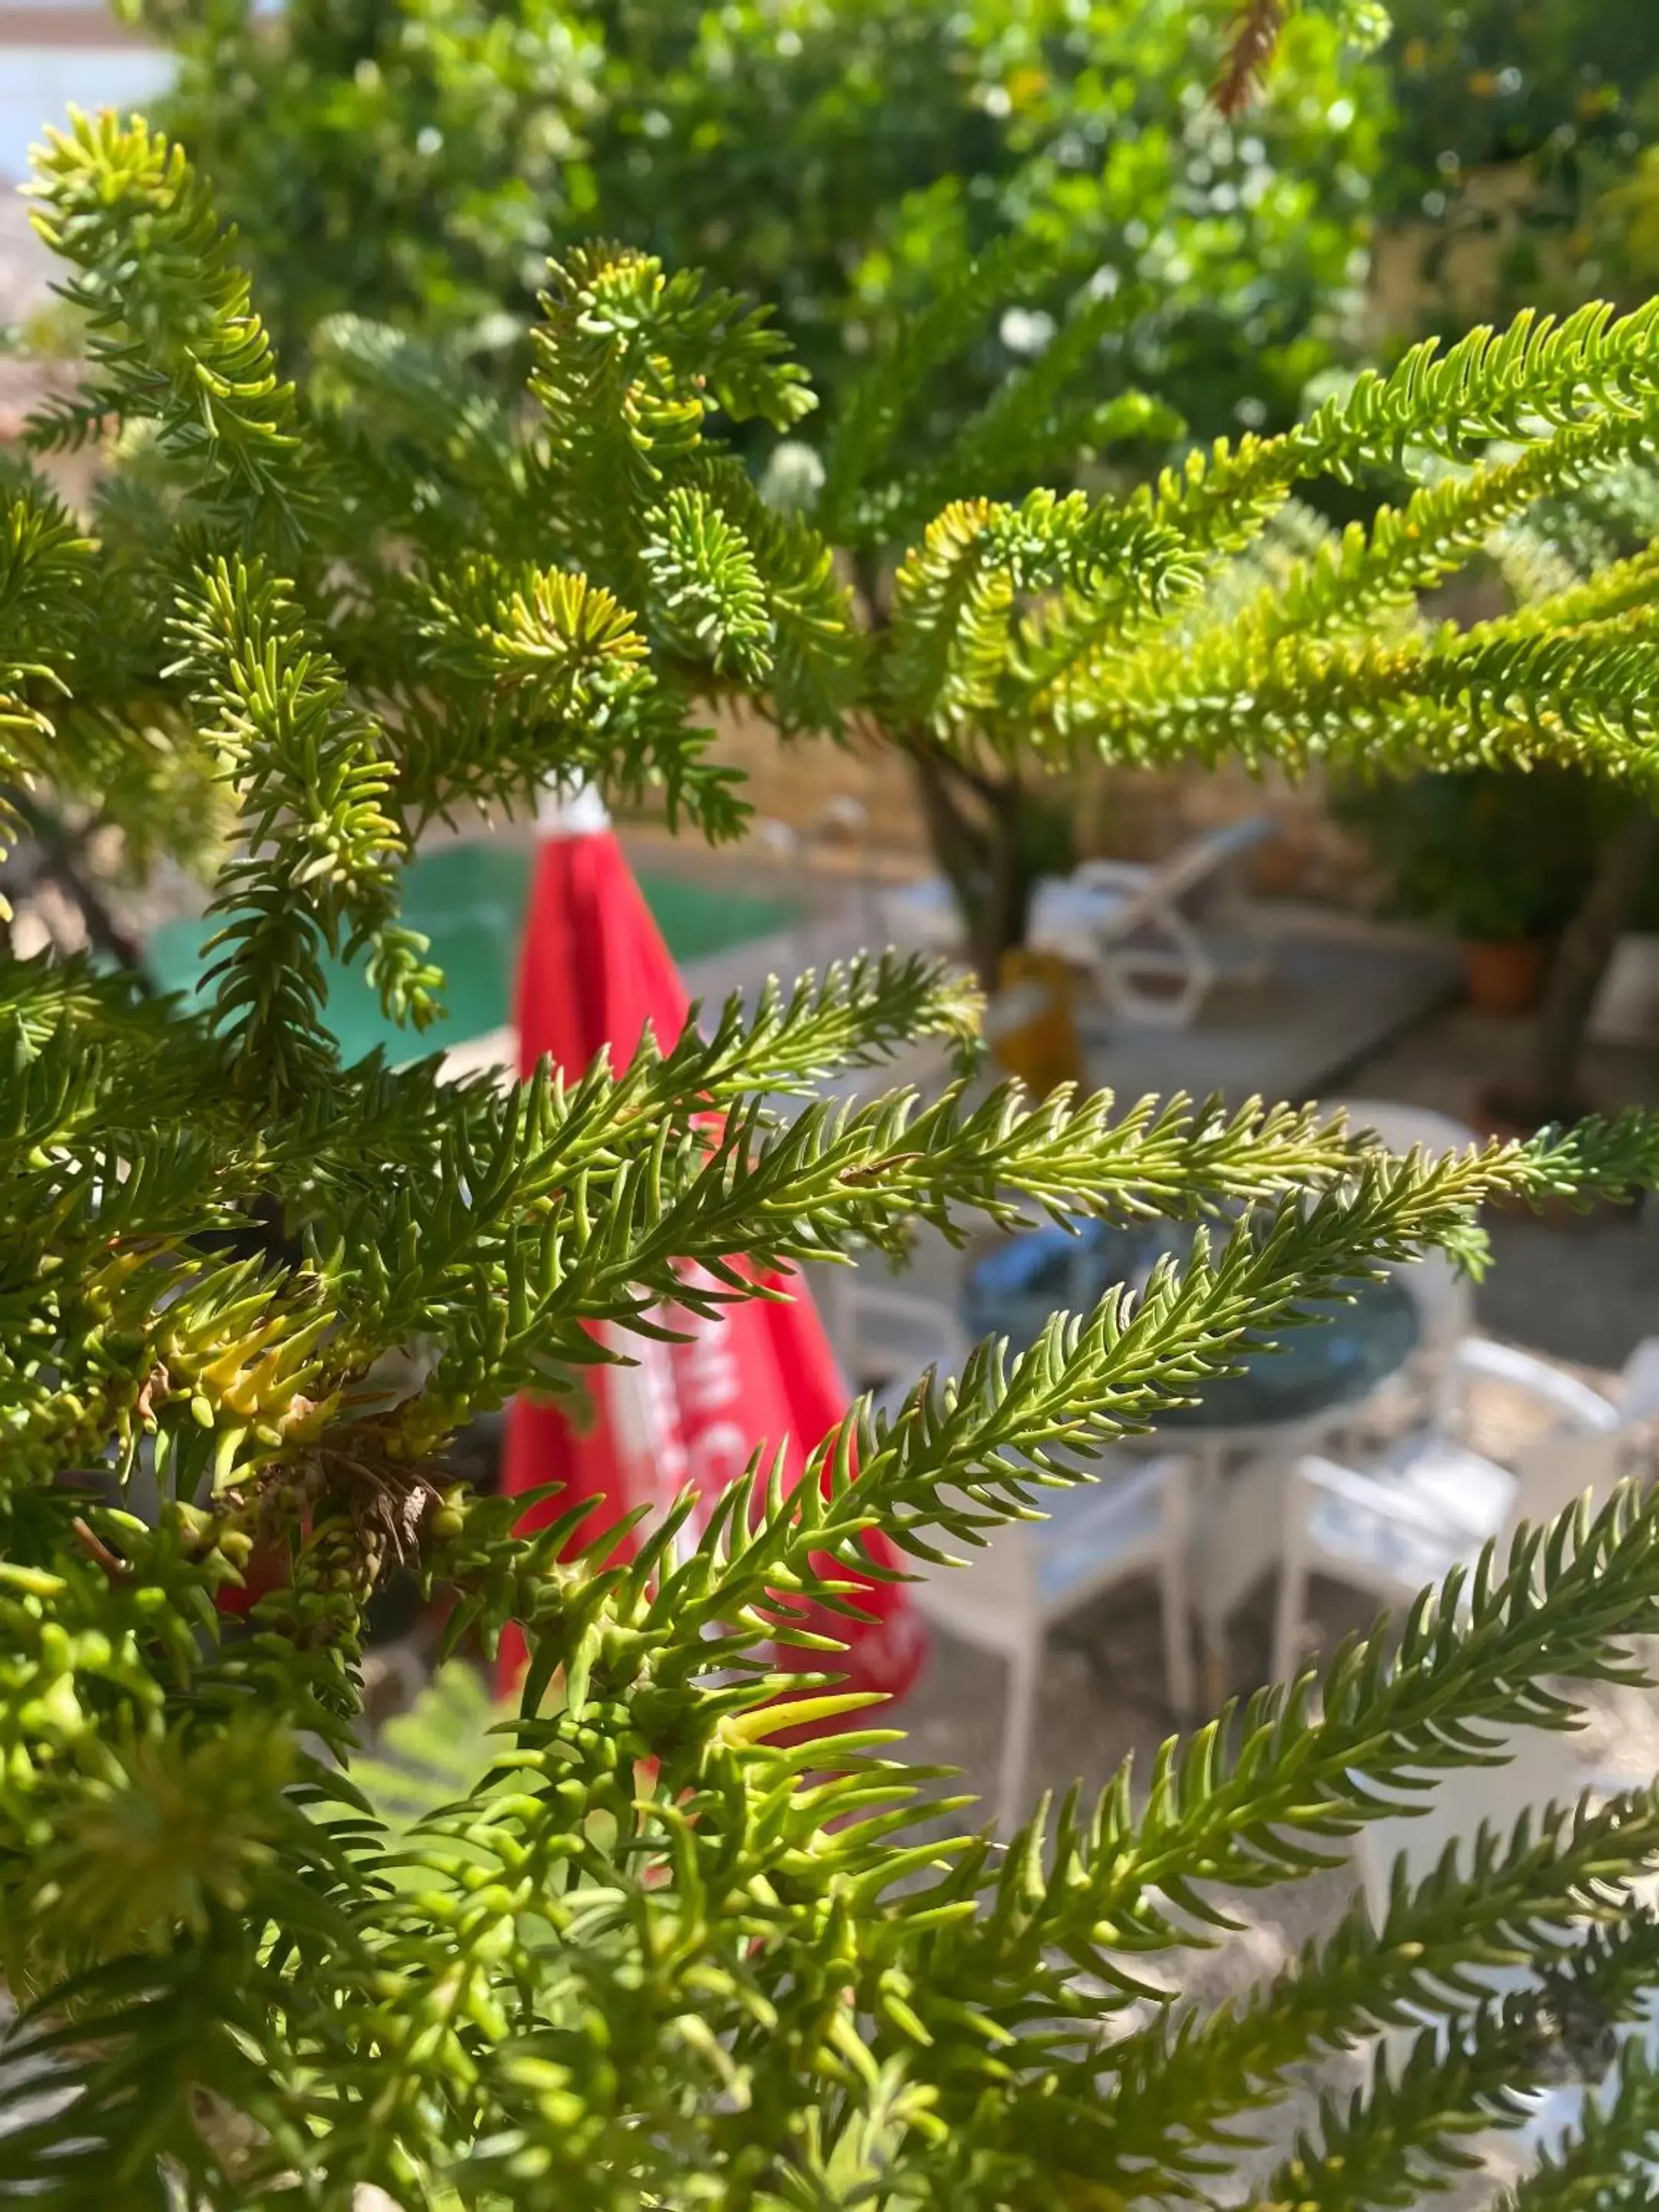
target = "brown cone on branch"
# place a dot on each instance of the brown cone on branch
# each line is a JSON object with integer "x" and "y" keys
{"x": 1255, "y": 36}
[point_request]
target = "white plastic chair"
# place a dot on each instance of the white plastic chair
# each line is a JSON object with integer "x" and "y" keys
{"x": 1130, "y": 923}
{"x": 1136, "y": 1520}
{"x": 1432, "y": 1501}
{"x": 883, "y": 1336}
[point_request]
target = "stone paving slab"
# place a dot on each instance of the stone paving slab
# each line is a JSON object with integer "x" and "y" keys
{"x": 1330, "y": 1002}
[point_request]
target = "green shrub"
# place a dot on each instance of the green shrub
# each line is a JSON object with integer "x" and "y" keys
{"x": 1490, "y": 854}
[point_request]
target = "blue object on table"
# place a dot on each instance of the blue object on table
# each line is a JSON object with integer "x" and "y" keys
{"x": 1334, "y": 1360}
{"x": 1316, "y": 1367}
{"x": 1037, "y": 1273}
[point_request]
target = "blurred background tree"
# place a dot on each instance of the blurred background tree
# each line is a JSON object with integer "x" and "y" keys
{"x": 416, "y": 160}
{"x": 1521, "y": 127}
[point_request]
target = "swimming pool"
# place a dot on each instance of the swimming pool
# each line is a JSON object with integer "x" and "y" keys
{"x": 469, "y": 898}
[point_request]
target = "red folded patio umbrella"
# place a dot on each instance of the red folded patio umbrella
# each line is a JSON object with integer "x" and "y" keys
{"x": 594, "y": 972}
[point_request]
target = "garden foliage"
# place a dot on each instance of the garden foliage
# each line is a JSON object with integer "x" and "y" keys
{"x": 655, "y": 1954}
{"x": 842, "y": 160}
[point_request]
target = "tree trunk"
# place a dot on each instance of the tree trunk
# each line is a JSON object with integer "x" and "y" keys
{"x": 59, "y": 857}
{"x": 1625, "y": 862}
{"x": 974, "y": 826}
{"x": 104, "y": 933}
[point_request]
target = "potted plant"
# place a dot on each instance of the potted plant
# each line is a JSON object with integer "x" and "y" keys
{"x": 645, "y": 1953}
{"x": 1498, "y": 857}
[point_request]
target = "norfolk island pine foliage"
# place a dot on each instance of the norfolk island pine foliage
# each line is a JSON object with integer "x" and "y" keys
{"x": 652, "y": 1956}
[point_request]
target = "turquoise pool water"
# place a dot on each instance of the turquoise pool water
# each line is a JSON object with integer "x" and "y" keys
{"x": 470, "y": 899}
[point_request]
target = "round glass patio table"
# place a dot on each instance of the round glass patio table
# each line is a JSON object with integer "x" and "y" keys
{"x": 1316, "y": 1368}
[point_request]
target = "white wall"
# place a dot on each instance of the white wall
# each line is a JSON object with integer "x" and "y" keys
{"x": 39, "y": 83}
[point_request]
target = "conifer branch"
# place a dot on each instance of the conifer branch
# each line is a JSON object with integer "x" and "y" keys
{"x": 1535, "y": 375}
{"x": 1623, "y": 587}
{"x": 44, "y": 566}
{"x": 516, "y": 674}
{"x": 172, "y": 327}
{"x": 870, "y": 423}
{"x": 1255, "y": 36}
{"x": 323, "y": 847}
{"x": 817, "y": 654}
{"x": 1409, "y": 2129}
{"x": 413, "y": 423}
{"x": 1506, "y": 690}
{"x": 1480, "y": 2070}
{"x": 956, "y": 594}
{"x": 1607, "y": 2162}
{"x": 630, "y": 364}
{"x": 705, "y": 588}
{"x": 1170, "y": 2087}
{"x": 1443, "y": 525}
{"x": 1033, "y": 427}
{"x": 1008, "y": 1428}
{"x": 653, "y": 1947}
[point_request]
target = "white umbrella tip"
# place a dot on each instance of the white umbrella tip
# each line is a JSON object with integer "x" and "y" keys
{"x": 570, "y": 808}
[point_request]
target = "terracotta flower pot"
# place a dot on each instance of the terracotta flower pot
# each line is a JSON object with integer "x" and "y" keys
{"x": 1279, "y": 868}
{"x": 1505, "y": 977}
